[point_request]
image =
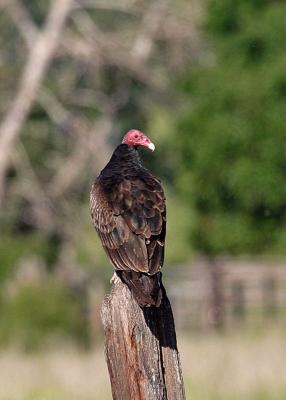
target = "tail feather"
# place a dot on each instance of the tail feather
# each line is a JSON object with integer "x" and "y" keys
{"x": 146, "y": 289}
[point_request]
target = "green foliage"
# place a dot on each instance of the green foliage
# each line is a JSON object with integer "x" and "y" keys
{"x": 38, "y": 313}
{"x": 232, "y": 130}
{"x": 13, "y": 248}
{"x": 179, "y": 218}
{"x": 225, "y": 149}
{"x": 38, "y": 10}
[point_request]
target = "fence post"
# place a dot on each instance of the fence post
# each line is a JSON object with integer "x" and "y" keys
{"x": 141, "y": 348}
{"x": 217, "y": 311}
{"x": 269, "y": 297}
{"x": 238, "y": 300}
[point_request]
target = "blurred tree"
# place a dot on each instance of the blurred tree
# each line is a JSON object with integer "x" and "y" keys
{"x": 74, "y": 76}
{"x": 113, "y": 62}
{"x": 232, "y": 130}
{"x": 38, "y": 314}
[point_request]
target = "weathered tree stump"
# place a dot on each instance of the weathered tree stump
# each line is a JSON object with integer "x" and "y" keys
{"x": 141, "y": 348}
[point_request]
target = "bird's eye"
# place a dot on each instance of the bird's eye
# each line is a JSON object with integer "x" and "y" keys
{"x": 136, "y": 135}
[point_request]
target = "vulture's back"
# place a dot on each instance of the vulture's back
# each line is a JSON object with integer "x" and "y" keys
{"x": 129, "y": 214}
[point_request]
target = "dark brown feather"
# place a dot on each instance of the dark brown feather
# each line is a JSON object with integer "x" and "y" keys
{"x": 129, "y": 214}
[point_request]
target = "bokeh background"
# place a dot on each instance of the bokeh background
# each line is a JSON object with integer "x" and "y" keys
{"x": 206, "y": 80}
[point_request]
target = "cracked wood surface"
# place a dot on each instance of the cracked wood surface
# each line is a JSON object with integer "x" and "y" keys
{"x": 141, "y": 348}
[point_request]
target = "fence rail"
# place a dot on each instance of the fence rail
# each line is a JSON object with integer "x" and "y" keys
{"x": 207, "y": 295}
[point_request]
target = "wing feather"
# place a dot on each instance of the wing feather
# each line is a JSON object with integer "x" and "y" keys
{"x": 130, "y": 218}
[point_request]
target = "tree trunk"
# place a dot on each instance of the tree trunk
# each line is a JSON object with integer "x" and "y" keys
{"x": 141, "y": 348}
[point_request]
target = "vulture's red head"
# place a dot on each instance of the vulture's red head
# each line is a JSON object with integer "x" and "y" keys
{"x": 137, "y": 138}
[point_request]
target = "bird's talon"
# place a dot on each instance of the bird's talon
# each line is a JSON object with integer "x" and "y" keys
{"x": 115, "y": 279}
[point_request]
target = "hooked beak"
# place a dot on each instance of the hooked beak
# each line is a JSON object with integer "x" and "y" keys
{"x": 151, "y": 146}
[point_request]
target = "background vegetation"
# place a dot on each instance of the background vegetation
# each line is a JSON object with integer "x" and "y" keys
{"x": 232, "y": 130}
{"x": 206, "y": 80}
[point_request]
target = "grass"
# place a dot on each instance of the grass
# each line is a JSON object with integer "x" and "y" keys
{"x": 55, "y": 374}
{"x": 235, "y": 367}
{"x": 228, "y": 367}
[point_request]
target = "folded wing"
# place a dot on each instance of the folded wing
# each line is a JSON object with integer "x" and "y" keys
{"x": 130, "y": 218}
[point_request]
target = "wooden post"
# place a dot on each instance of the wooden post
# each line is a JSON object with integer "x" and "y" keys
{"x": 217, "y": 311}
{"x": 141, "y": 348}
{"x": 270, "y": 297}
{"x": 238, "y": 300}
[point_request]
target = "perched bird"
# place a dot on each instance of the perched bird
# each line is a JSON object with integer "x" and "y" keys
{"x": 129, "y": 214}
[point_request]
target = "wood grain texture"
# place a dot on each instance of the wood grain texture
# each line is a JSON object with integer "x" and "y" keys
{"x": 141, "y": 348}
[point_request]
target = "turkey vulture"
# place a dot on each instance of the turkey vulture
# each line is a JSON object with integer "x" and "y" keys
{"x": 129, "y": 214}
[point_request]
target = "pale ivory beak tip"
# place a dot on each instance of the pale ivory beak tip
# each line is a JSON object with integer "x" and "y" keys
{"x": 151, "y": 146}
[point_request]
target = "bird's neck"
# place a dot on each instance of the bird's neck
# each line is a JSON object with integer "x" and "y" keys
{"x": 125, "y": 159}
{"x": 127, "y": 155}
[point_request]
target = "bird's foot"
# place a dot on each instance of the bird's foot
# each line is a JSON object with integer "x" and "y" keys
{"x": 115, "y": 279}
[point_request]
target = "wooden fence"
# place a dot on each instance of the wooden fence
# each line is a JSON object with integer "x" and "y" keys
{"x": 223, "y": 293}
